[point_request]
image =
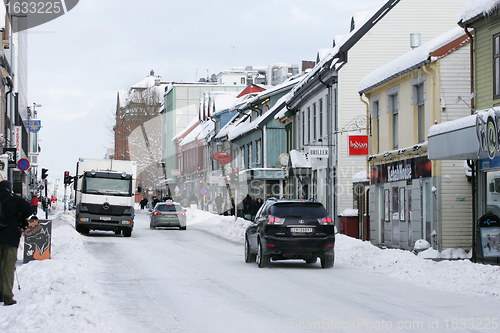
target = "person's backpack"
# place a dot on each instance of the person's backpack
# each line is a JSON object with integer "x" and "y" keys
{"x": 3, "y": 218}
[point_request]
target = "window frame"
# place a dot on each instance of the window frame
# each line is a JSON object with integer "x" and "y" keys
{"x": 496, "y": 66}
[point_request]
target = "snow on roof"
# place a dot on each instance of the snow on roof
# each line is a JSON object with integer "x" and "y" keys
{"x": 193, "y": 134}
{"x": 408, "y": 61}
{"x": 468, "y": 121}
{"x": 349, "y": 212}
{"x": 232, "y": 124}
{"x": 189, "y": 126}
{"x": 149, "y": 81}
{"x": 122, "y": 98}
{"x": 450, "y": 126}
{"x": 224, "y": 101}
{"x": 248, "y": 126}
{"x": 299, "y": 159}
{"x": 360, "y": 177}
{"x": 474, "y": 8}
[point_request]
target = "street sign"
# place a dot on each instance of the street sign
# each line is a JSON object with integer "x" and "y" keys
{"x": 41, "y": 187}
{"x": 23, "y": 164}
{"x": 222, "y": 157}
{"x": 204, "y": 190}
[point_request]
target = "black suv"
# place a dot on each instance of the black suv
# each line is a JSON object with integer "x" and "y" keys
{"x": 290, "y": 229}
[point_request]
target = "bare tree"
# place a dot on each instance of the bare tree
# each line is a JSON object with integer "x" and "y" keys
{"x": 137, "y": 131}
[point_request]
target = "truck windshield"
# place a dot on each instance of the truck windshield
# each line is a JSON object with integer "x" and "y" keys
{"x": 107, "y": 186}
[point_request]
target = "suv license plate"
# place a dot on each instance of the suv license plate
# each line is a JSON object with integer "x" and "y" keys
{"x": 301, "y": 230}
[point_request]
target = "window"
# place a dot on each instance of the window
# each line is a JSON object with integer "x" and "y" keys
{"x": 421, "y": 113}
{"x": 258, "y": 151}
{"x": 393, "y": 105}
{"x": 321, "y": 118}
{"x": 241, "y": 163}
{"x": 249, "y": 155}
{"x": 308, "y": 124}
{"x": 243, "y": 80}
{"x": 376, "y": 116}
{"x": 496, "y": 65}
{"x": 303, "y": 128}
{"x": 314, "y": 121}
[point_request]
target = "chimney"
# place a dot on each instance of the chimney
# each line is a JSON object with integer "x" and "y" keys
{"x": 414, "y": 40}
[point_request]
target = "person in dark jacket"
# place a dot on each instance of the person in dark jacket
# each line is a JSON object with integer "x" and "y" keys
{"x": 15, "y": 212}
{"x": 256, "y": 206}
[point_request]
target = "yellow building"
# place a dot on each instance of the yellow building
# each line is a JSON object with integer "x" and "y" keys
{"x": 411, "y": 197}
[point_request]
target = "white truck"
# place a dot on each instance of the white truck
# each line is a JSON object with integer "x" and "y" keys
{"x": 105, "y": 195}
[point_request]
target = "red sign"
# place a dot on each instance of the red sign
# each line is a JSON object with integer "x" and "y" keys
{"x": 358, "y": 144}
{"x": 222, "y": 157}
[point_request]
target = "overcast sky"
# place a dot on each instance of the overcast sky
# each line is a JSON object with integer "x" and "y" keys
{"x": 78, "y": 62}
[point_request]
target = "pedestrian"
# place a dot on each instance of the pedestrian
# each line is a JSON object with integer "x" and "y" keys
{"x": 143, "y": 202}
{"x": 218, "y": 203}
{"x": 256, "y": 206}
{"x": 247, "y": 204}
{"x": 15, "y": 211}
{"x": 34, "y": 203}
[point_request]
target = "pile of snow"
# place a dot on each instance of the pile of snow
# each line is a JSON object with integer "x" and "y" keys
{"x": 62, "y": 292}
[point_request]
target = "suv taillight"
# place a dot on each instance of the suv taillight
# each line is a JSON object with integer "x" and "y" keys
{"x": 156, "y": 213}
{"x": 325, "y": 220}
{"x": 181, "y": 213}
{"x": 275, "y": 220}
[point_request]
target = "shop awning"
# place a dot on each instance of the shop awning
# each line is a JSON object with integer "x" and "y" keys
{"x": 454, "y": 140}
{"x": 299, "y": 164}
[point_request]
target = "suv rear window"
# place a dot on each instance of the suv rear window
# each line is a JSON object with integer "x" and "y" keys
{"x": 305, "y": 210}
{"x": 167, "y": 208}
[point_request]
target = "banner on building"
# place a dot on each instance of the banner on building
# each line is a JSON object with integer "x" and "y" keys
{"x": 358, "y": 144}
{"x": 408, "y": 169}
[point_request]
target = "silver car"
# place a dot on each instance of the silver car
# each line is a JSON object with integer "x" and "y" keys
{"x": 168, "y": 214}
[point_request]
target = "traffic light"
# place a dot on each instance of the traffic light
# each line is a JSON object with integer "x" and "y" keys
{"x": 67, "y": 178}
{"x": 235, "y": 177}
{"x": 44, "y": 173}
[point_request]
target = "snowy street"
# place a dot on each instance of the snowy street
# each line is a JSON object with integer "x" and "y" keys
{"x": 197, "y": 281}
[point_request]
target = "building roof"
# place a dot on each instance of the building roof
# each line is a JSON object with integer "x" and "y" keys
{"x": 430, "y": 51}
{"x": 476, "y": 9}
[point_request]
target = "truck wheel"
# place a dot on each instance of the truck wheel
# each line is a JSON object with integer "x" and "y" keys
{"x": 81, "y": 229}
{"x": 127, "y": 232}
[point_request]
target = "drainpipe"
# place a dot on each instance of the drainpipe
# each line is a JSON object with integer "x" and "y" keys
{"x": 330, "y": 204}
{"x": 434, "y": 163}
{"x": 367, "y": 168}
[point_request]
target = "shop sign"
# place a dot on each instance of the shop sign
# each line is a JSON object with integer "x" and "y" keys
{"x": 358, "y": 144}
{"x": 318, "y": 152}
{"x": 488, "y": 133}
{"x": 413, "y": 168}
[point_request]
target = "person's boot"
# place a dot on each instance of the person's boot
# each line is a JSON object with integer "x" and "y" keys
{"x": 11, "y": 302}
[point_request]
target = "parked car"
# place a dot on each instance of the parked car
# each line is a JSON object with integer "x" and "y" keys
{"x": 290, "y": 229}
{"x": 168, "y": 214}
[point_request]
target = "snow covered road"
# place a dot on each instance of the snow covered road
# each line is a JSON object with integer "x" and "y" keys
{"x": 195, "y": 281}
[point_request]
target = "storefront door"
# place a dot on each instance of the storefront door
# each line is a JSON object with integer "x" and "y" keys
{"x": 395, "y": 215}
